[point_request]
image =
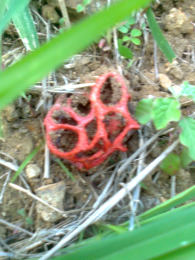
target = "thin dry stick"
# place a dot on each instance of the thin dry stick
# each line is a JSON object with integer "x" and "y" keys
{"x": 16, "y": 187}
{"x": 4, "y": 186}
{"x": 110, "y": 203}
{"x": 14, "y": 227}
{"x": 46, "y": 174}
{"x": 141, "y": 149}
{"x": 14, "y": 167}
{"x": 173, "y": 186}
{"x": 64, "y": 13}
{"x": 117, "y": 55}
{"x": 136, "y": 191}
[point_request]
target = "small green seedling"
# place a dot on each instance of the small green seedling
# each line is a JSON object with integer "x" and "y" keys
{"x": 162, "y": 111}
{"x": 129, "y": 36}
{"x": 27, "y": 220}
{"x": 81, "y": 7}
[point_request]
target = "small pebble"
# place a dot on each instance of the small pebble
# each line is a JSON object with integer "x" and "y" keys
{"x": 32, "y": 171}
{"x": 53, "y": 194}
{"x": 165, "y": 81}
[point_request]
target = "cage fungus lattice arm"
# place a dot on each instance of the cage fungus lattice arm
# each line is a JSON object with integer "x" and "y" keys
{"x": 88, "y": 140}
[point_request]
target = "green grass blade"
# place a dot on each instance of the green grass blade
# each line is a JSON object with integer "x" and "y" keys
{"x": 38, "y": 63}
{"x": 25, "y": 162}
{"x": 14, "y": 7}
{"x": 168, "y": 233}
{"x": 2, "y": 9}
{"x": 68, "y": 173}
{"x": 159, "y": 37}
{"x": 25, "y": 27}
{"x": 2, "y": 12}
{"x": 169, "y": 204}
{"x": 184, "y": 253}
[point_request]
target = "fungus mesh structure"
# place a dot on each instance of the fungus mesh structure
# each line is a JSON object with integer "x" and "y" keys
{"x": 88, "y": 140}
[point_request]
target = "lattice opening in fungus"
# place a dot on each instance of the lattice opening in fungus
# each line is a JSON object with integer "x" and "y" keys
{"x": 61, "y": 117}
{"x": 110, "y": 93}
{"x": 80, "y": 104}
{"x": 64, "y": 140}
{"x": 91, "y": 129}
{"x": 114, "y": 124}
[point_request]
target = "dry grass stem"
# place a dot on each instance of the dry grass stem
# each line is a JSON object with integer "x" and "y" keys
{"x": 16, "y": 187}
{"x": 14, "y": 227}
{"x": 4, "y": 186}
{"x": 110, "y": 203}
{"x": 137, "y": 190}
{"x": 138, "y": 151}
{"x": 64, "y": 13}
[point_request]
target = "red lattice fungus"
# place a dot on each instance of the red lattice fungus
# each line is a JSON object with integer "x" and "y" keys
{"x": 87, "y": 140}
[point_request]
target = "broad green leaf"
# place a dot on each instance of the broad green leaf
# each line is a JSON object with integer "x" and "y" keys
{"x": 164, "y": 235}
{"x": 124, "y": 51}
{"x": 86, "y": 2}
{"x": 126, "y": 38}
{"x": 24, "y": 24}
{"x": 143, "y": 111}
{"x": 187, "y": 136}
{"x": 159, "y": 37}
{"x": 188, "y": 90}
{"x": 165, "y": 110}
{"x": 80, "y": 8}
{"x": 171, "y": 164}
{"x": 185, "y": 157}
{"x": 34, "y": 66}
{"x": 123, "y": 29}
{"x": 136, "y": 41}
{"x": 177, "y": 200}
{"x": 15, "y": 7}
{"x": 136, "y": 33}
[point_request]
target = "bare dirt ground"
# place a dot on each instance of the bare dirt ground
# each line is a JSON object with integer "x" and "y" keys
{"x": 23, "y": 130}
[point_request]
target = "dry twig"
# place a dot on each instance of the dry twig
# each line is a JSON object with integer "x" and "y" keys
{"x": 110, "y": 203}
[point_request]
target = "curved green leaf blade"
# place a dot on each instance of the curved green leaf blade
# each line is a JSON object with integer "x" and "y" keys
{"x": 25, "y": 27}
{"x": 165, "y": 110}
{"x": 169, "y": 204}
{"x": 143, "y": 111}
{"x": 159, "y": 37}
{"x": 187, "y": 136}
{"x": 14, "y": 7}
{"x": 163, "y": 235}
{"x": 38, "y": 63}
